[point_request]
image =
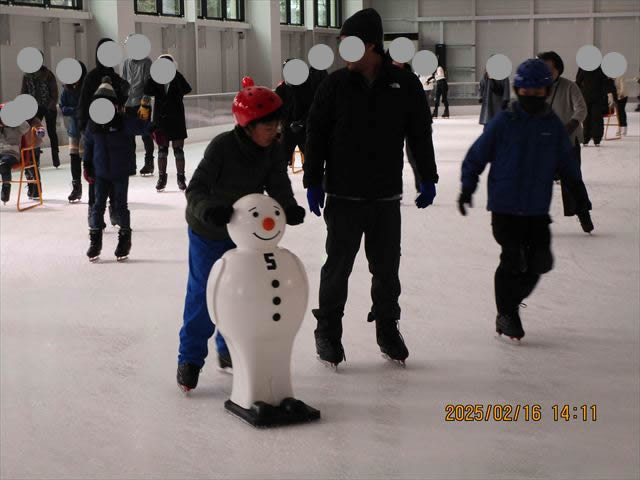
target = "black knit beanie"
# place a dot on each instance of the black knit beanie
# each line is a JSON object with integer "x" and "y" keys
{"x": 367, "y": 26}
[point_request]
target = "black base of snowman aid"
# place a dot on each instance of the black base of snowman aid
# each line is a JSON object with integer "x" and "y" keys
{"x": 262, "y": 414}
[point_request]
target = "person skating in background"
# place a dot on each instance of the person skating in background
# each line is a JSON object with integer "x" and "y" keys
{"x": 356, "y": 129}
{"x": 441, "y": 92}
{"x": 638, "y": 97}
{"x": 42, "y": 86}
{"x": 243, "y": 161}
{"x": 494, "y": 97}
{"x": 567, "y": 103}
{"x": 621, "y": 104}
{"x": 526, "y": 146}
{"x": 595, "y": 86}
{"x": 11, "y": 140}
{"x": 68, "y": 106}
{"x": 137, "y": 73}
{"x": 106, "y": 167}
{"x": 91, "y": 83}
{"x": 169, "y": 123}
{"x": 297, "y": 101}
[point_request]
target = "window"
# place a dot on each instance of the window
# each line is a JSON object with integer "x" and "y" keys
{"x": 328, "y": 13}
{"x": 221, "y": 10}
{"x": 70, "y": 4}
{"x": 168, "y": 8}
{"x": 292, "y": 12}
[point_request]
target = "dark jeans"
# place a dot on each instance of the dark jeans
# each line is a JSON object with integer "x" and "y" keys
{"x": 118, "y": 191}
{"x": 146, "y": 139}
{"x": 50, "y": 118}
{"x": 347, "y": 221}
{"x": 569, "y": 201}
{"x": 622, "y": 114}
{"x": 526, "y": 254}
{"x": 594, "y": 123}
{"x": 288, "y": 144}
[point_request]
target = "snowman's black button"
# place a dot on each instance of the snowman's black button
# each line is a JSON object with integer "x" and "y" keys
{"x": 276, "y": 317}
{"x": 276, "y": 300}
{"x": 275, "y": 284}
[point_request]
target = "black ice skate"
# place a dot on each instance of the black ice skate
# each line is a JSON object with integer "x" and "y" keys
{"x": 76, "y": 191}
{"x": 147, "y": 169}
{"x": 509, "y": 325}
{"x": 6, "y": 192}
{"x": 162, "y": 182}
{"x": 446, "y": 112}
{"x": 330, "y": 351}
{"x": 124, "y": 245}
{"x": 187, "y": 376}
{"x": 95, "y": 245}
{"x": 585, "y": 221}
{"x": 391, "y": 342}
{"x": 224, "y": 362}
{"x": 182, "y": 182}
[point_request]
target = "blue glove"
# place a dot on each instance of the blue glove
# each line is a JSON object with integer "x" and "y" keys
{"x": 427, "y": 194}
{"x": 315, "y": 197}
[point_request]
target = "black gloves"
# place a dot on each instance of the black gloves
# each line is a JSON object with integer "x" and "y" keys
{"x": 571, "y": 126}
{"x": 295, "y": 214}
{"x": 465, "y": 199}
{"x": 505, "y": 104}
{"x": 297, "y": 126}
{"x": 480, "y": 100}
{"x": 220, "y": 215}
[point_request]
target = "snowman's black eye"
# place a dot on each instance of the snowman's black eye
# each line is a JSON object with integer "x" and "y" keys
{"x": 256, "y": 214}
{"x": 277, "y": 213}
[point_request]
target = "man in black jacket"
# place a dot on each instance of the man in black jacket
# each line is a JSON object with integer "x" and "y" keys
{"x": 356, "y": 129}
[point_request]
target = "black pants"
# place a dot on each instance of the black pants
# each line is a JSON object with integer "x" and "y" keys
{"x": 50, "y": 118}
{"x": 594, "y": 123}
{"x": 146, "y": 139}
{"x": 347, "y": 221}
{"x": 569, "y": 201}
{"x": 442, "y": 91}
{"x": 289, "y": 142}
{"x": 526, "y": 254}
{"x": 117, "y": 190}
{"x": 412, "y": 162}
{"x": 622, "y": 114}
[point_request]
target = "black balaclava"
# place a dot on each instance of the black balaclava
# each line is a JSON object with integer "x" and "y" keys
{"x": 532, "y": 104}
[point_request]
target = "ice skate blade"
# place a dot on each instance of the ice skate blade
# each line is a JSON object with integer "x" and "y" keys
{"x": 226, "y": 370}
{"x": 146, "y": 174}
{"x": 94, "y": 259}
{"x": 77, "y": 200}
{"x": 330, "y": 365}
{"x": 399, "y": 362}
{"x": 122, "y": 259}
{"x": 514, "y": 340}
{"x": 184, "y": 390}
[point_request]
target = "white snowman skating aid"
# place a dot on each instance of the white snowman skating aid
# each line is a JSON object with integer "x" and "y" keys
{"x": 257, "y": 296}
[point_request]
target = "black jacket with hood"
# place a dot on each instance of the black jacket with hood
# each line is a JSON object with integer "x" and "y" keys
{"x": 91, "y": 83}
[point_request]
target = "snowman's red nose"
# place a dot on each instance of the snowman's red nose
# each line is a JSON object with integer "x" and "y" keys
{"x": 268, "y": 224}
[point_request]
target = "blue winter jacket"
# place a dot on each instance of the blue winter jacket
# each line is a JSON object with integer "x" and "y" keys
{"x": 107, "y": 149}
{"x": 525, "y": 151}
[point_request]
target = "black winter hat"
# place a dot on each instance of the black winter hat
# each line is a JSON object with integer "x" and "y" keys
{"x": 554, "y": 58}
{"x": 105, "y": 90}
{"x": 367, "y": 26}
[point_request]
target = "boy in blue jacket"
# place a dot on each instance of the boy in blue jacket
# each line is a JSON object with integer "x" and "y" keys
{"x": 526, "y": 145}
{"x": 107, "y": 151}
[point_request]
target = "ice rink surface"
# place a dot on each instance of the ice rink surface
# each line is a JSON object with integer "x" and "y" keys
{"x": 88, "y": 351}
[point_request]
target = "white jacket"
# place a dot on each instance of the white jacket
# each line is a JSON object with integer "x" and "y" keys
{"x": 440, "y": 74}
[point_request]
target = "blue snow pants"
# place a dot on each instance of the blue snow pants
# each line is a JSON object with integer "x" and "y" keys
{"x": 198, "y": 328}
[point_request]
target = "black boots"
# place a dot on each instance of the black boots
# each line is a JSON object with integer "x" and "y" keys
{"x": 124, "y": 244}
{"x": 390, "y": 341}
{"x": 585, "y": 221}
{"x": 6, "y": 192}
{"x": 187, "y": 376}
{"x": 162, "y": 182}
{"x": 55, "y": 158}
{"x": 446, "y": 112}
{"x": 509, "y": 325}
{"x": 182, "y": 182}
{"x": 95, "y": 245}
{"x": 76, "y": 191}
{"x": 147, "y": 169}
{"x": 435, "y": 112}
{"x": 329, "y": 350}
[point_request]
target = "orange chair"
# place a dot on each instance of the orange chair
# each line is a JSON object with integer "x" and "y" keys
{"x": 293, "y": 161}
{"x": 612, "y": 112}
{"x": 28, "y": 145}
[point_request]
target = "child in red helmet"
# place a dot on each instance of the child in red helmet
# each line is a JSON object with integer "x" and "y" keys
{"x": 240, "y": 162}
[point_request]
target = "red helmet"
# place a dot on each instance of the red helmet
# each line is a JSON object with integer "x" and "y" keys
{"x": 247, "y": 82}
{"x": 252, "y": 103}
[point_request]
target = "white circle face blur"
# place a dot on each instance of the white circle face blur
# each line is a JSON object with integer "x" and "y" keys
{"x": 138, "y": 47}
{"x": 27, "y": 106}
{"x": 163, "y": 71}
{"x": 258, "y": 222}
{"x": 588, "y": 58}
{"x": 30, "y": 60}
{"x": 68, "y": 71}
{"x": 614, "y": 64}
{"x": 499, "y": 67}
{"x": 295, "y": 72}
{"x": 351, "y": 49}
{"x": 101, "y": 111}
{"x": 109, "y": 54}
{"x": 425, "y": 62}
{"x": 320, "y": 57}
{"x": 402, "y": 50}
